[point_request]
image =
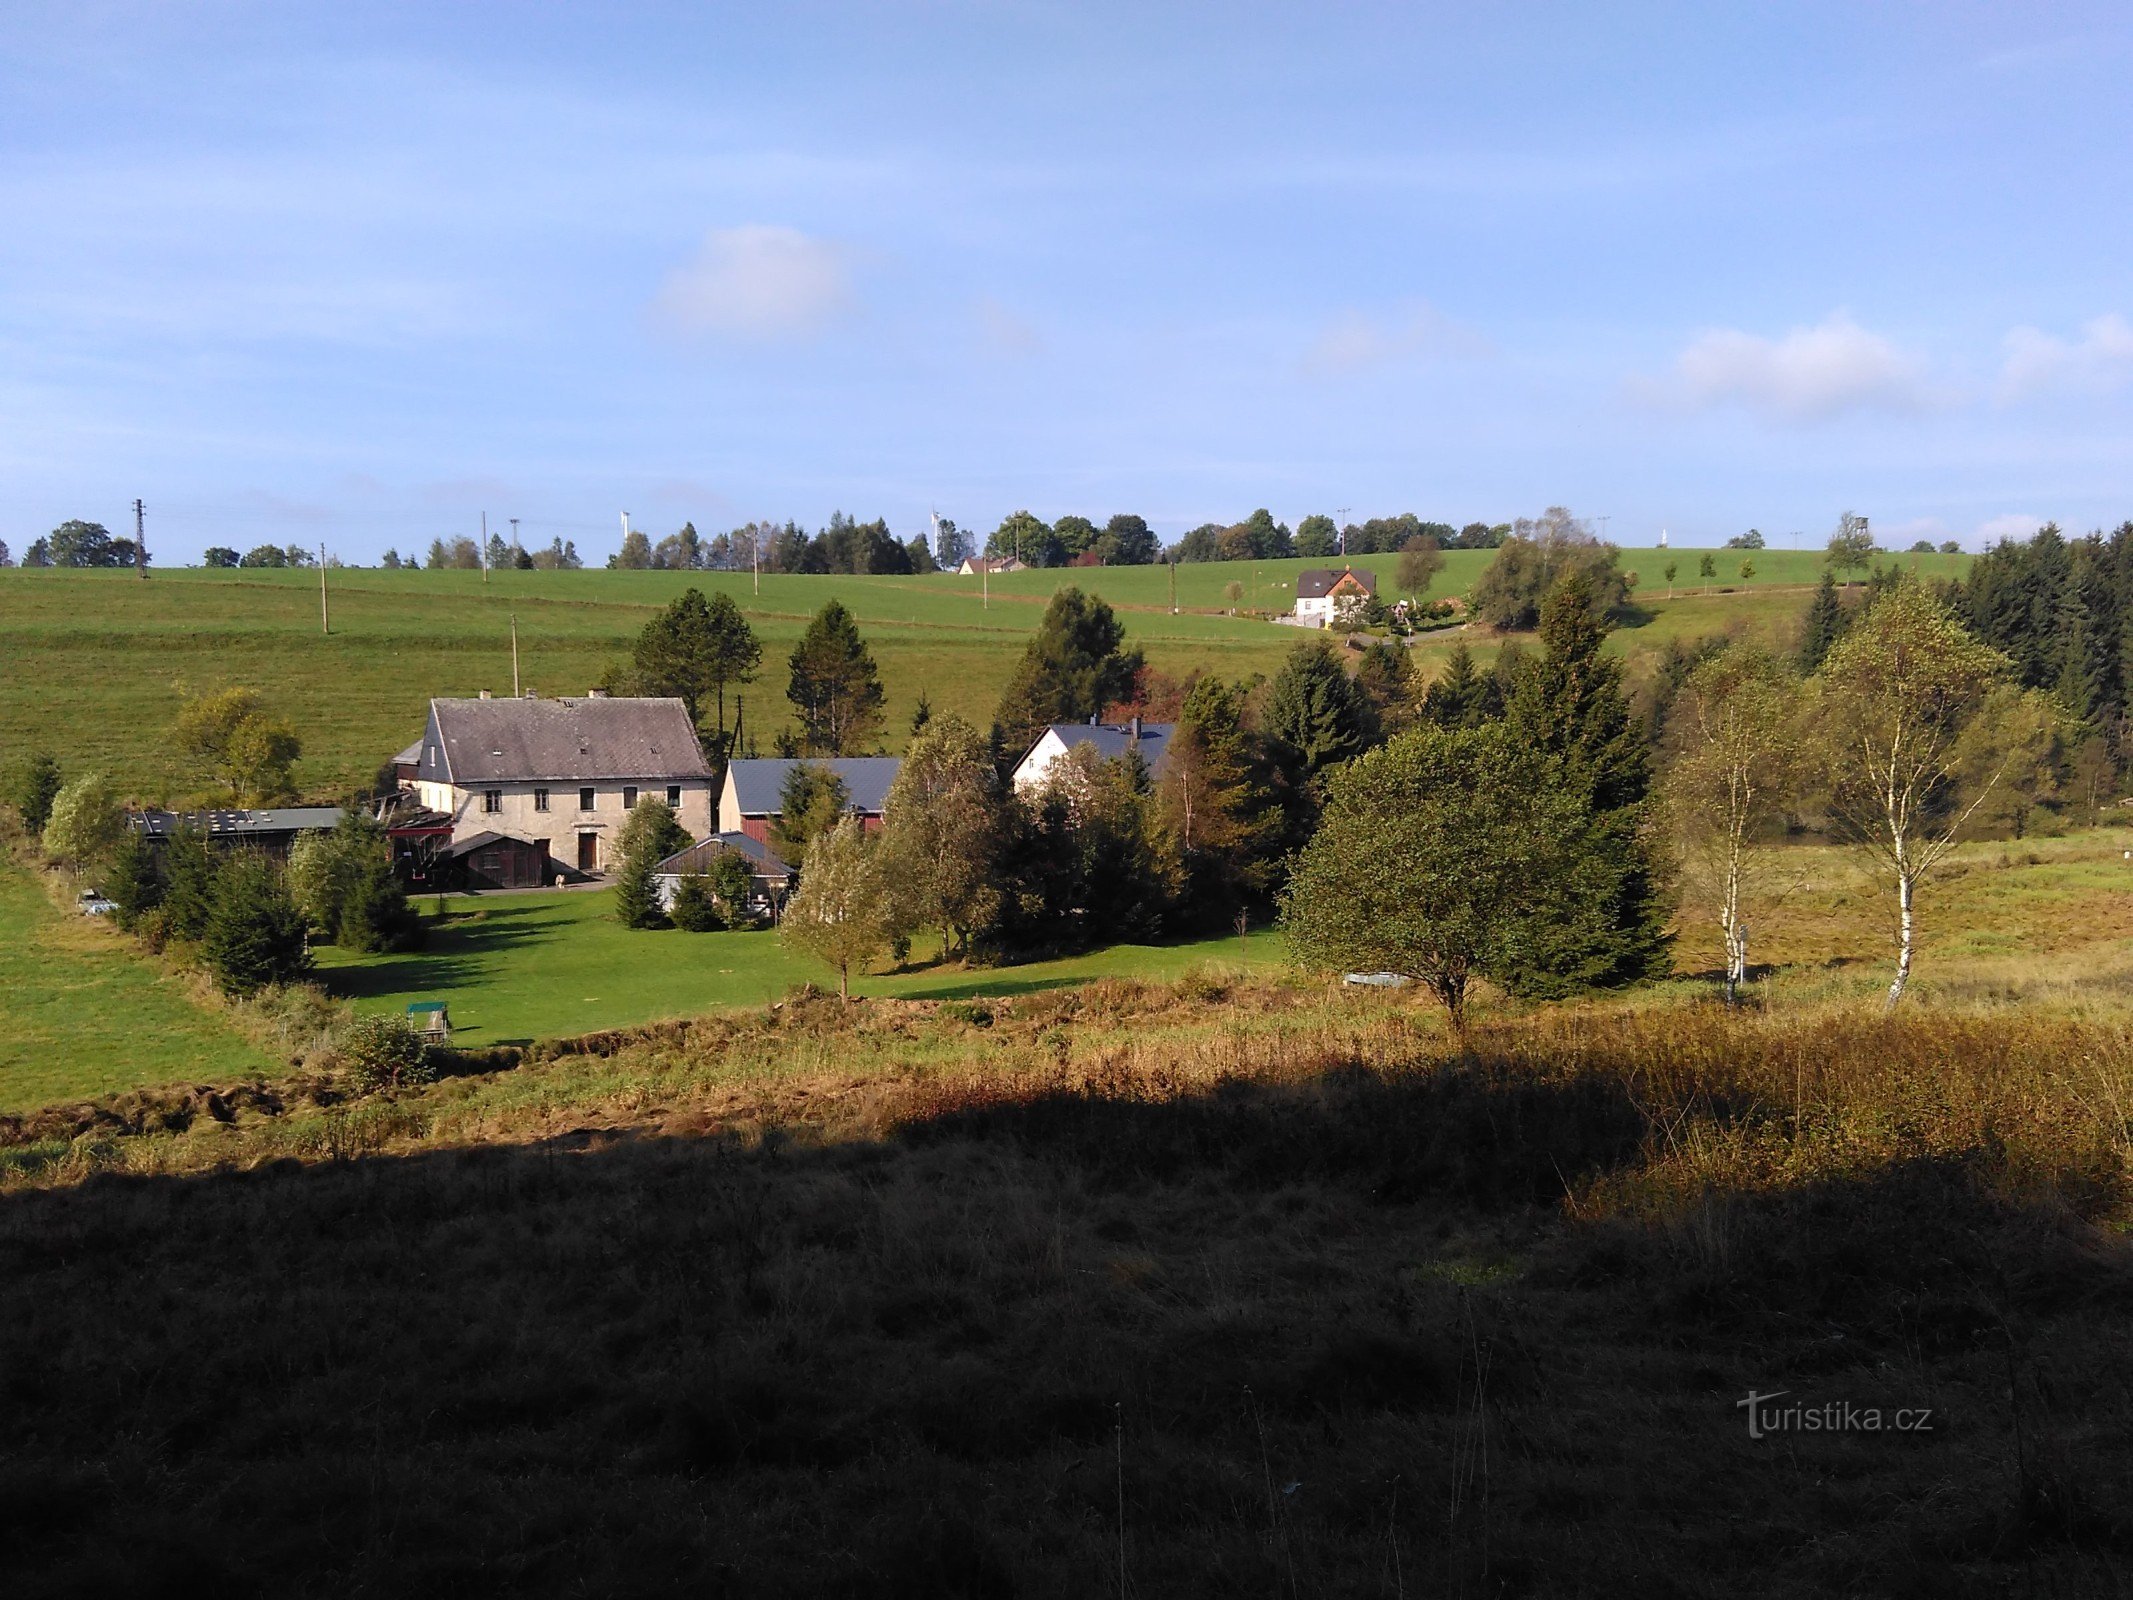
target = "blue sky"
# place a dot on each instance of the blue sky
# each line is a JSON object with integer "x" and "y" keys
{"x": 359, "y": 274}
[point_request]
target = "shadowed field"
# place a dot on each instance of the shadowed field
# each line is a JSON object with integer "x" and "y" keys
{"x": 1229, "y": 1290}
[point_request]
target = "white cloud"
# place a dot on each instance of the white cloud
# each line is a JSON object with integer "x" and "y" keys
{"x": 1808, "y": 375}
{"x": 2013, "y": 525}
{"x": 758, "y": 281}
{"x": 2038, "y": 362}
{"x": 1354, "y": 341}
{"x": 1003, "y": 332}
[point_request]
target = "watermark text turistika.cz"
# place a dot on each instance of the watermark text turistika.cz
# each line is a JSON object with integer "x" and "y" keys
{"x": 1766, "y": 1417}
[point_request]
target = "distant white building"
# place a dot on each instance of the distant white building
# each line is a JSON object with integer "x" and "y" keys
{"x": 975, "y": 566}
{"x": 1321, "y": 590}
{"x": 1149, "y": 740}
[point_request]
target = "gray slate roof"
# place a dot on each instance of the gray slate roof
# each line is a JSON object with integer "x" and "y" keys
{"x": 1313, "y": 582}
{"x": 471, "y": 742}
{"x": 1112, "y": 742}
{"x": 759, "y": 786}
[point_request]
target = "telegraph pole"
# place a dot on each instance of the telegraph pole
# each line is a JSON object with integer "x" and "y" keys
{"x": 514, "y": 655}
{"x": 325, "y": 621}
{"x": 485, "y": 547}
{"x": 140, "y": 541}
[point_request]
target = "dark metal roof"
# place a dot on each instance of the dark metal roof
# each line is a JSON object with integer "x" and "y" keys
{"x": 227, "y": 825}
{"x": 697, "y": 859}
{"x": 481, "y": 841}
{"x": 472, "y": 742}
{"x": 1315, "y": 583}
{"x": 1112, "y": 741}
{"x": 759, "y": 786}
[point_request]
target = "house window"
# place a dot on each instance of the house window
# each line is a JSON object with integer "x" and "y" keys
{"x": 585, "y": 800}
{"x": 629, "y": 798}
{"x": 674, "y": 795}
{"x": 492, "y": 801}
{"x": 540, "y": 799}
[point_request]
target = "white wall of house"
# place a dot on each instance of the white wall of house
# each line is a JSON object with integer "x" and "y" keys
{"x": 555, "y": 811}
{"x": 1318, "y": 612}
{"x": 1035, "y": 767}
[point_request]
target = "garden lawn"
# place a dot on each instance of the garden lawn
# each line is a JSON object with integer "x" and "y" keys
{"x": 81, "y": 1013}
{"x": 515, "y": 968}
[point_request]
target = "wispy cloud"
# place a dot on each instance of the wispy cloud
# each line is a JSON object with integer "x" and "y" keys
{"x": 1004, "y": 333}
{"x": 2011, "y": 525}
{"x": 1354, "y": 341}
{"x": 2037, "y": 363}
{"x": 758, "y": 281}
{"x": 1807, "y": 375}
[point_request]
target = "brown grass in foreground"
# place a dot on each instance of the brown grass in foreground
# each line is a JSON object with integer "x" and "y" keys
{"x": 1252, "y": 1291}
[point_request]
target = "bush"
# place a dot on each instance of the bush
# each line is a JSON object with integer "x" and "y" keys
{"x": 255, "y": 934}
{"x": 694, "y": 910}
{"x": 386, "y": 1054}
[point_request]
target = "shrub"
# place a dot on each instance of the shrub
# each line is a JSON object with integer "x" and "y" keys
{"x": 694, "y": 910}
{"x": 386, "y": 1054}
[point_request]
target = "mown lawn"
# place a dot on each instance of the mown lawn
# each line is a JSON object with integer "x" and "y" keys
{"x": 520, "y": 967}
{"x": 82, "y": 1013}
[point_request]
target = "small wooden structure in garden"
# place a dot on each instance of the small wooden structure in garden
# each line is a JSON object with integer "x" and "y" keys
{"x": 432, "y": 1020}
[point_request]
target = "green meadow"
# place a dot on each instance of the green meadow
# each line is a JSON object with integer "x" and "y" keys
{"x": 84, "y": 1012}
{"x": 515, "y": 968}
{"x": 93, "y": 665}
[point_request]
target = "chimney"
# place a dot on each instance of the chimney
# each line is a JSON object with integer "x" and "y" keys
{"x": 485, "y": 694}
{"x": 1093, "y": 716}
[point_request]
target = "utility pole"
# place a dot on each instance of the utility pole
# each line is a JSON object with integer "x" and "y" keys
{"x": 325, "y": 619}
{"x": 1342, "y": 513}
{"x": 1173, "y": 588}
{"x": 514, "y": 655}
{"x": 515, "y": 546}
{"x": 755, "y": 551}
{"x": 140, "y": 541}
{"x": 485, "y": 547}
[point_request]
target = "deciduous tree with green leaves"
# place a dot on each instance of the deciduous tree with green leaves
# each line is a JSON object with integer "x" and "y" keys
{"x": 86, "y": 823}
{"x": 1421, "y": 559}
{"x": 234, "y": 738}
{"x": 1893, "y": 701}
{"x": 945, "y": 820}
{"x": 1738, "y": 759}
{"x": 844, "y": 913}
{"x": 1448, "y": 856}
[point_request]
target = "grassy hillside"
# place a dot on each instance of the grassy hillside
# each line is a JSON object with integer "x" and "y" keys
{"x": 95, "y": 663}
{"x": 83, "y": 1012}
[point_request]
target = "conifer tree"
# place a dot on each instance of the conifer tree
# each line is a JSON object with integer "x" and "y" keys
{"x": 1315, "y": 712}
{"x": 1074, "y": 666}
{"x": 256, "y": 935}
{"x": 835, "y": 686}
{"x": 1461, "y": 697}
{"x": 1568, "y": 703}
{"x": 1824, "y": 625}
{"x": 1214, "y": 811}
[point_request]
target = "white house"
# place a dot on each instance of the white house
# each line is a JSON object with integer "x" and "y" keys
{"x": 559, "y": 774}
{"x": 973, "y": 566}
{"x": 1320, "y": 591}
{"x": 1149, "y": 740}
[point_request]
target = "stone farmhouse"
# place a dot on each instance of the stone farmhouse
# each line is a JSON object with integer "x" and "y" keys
{"x": 534, "y": 789}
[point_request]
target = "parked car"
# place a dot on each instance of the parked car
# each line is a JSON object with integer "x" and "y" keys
{"x": 93, "y": 904}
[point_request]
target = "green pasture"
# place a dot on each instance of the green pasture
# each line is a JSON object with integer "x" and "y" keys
{"x": 93, "y": 665}
{"x": 519, "y": 967}
{"x": 83, "y": 1012}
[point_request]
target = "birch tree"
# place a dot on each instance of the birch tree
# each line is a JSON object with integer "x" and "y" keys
{"x": 1895, "y": 696}
{"x": 1737, "y": 760}
{"x": 843, "y": 914}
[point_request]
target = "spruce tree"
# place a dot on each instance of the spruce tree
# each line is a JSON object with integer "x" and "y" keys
{"x": 1219, "y": 822}
{"x": 1568, "y": 704}
{"x": 1074, "y": 666}
{"x": 131, "y": 882}
{"x": 1824, "y": 625}
{"x": 835, "y": 687}
{"x": 256, "y": 936}
{"x": 1315, "y": 711}
{"x": 36, "y": 787}
{"x": 1460, "y": 696}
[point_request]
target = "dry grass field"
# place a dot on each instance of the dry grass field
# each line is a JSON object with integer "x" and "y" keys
{"x": 1229, "y": 1285}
